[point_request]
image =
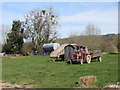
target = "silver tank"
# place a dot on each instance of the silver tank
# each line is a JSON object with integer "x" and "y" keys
{"x": 50, "y": 46}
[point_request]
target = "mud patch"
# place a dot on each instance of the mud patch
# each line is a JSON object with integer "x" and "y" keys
{"x": 9, "y": 85}
{"x": 13, "y": 57}
{"x": 117, "y": 85}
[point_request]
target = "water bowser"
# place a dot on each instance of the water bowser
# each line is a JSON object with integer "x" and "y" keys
{"x": 49, "y": 47}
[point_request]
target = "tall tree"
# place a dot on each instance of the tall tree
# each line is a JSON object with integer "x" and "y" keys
{"x": 40, "y": 26}
{"x": 15, "y": 38}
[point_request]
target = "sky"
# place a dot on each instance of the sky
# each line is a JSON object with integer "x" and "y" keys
{"x": 73, "y": 16}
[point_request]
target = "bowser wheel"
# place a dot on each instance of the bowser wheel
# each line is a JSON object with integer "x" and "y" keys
{"x": 88, "y": 58}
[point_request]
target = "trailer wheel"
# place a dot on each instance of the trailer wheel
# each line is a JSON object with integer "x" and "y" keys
{"x": 69, "y": 61}
{"x": 99, "y": 59}
{"x": 88, "y": 58}
{"x": 81, "y": 61}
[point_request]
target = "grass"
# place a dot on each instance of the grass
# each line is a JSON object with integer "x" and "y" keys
{"x": 37, "y": 71}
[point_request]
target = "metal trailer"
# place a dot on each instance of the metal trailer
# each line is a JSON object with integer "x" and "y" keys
{"x": 59, "y": 52}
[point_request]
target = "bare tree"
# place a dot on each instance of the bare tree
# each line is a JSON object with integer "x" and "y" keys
{"x": 92, "y": 30}
{"x": 40, "y": 26}
{"x": 93, "y": 38}
{"x": 90, "y": 37}
{"x": 5, "y": 29}
{"x": 3, "y": 35}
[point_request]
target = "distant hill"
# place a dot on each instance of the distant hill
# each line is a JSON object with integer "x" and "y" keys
{"x": 108, "y": 42}
{"x": 109, "y": 37}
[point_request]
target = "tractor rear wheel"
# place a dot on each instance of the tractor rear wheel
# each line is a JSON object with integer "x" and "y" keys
{"x": 99, "y": 59}
{"x": 88, "y": 58}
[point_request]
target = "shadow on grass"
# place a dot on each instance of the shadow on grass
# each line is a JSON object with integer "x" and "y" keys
{"x": 114, "y": 53}
{"x": 56, "y": 60}
{"x": 73, "y": 62}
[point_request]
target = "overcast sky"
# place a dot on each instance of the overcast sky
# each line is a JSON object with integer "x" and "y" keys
{"x": 74, "y": 16}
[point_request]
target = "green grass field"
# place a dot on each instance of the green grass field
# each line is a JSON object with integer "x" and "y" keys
{"x": 37, "y": 71}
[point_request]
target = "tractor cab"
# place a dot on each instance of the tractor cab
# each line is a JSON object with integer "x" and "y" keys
{"x": 81, "y": 50}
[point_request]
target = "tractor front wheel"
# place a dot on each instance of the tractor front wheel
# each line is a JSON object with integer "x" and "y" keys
{"x": 88, "y": 58}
